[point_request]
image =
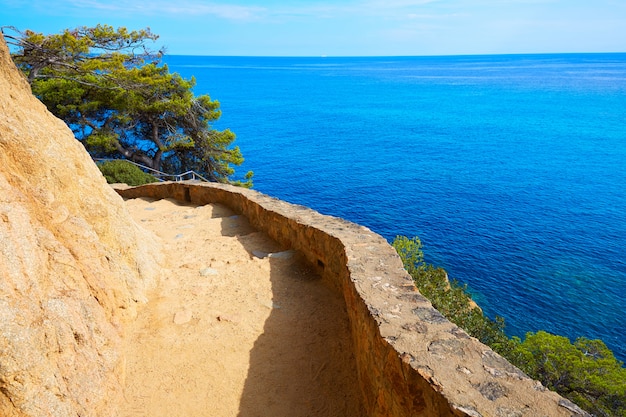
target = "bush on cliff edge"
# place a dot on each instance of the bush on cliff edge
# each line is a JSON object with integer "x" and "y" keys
{"x": 124, "y": 172}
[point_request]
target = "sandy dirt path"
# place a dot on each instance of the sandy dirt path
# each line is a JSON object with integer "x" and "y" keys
{"x": 231, "y": 331}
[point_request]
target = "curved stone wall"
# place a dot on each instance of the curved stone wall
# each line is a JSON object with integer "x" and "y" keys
{"x": 411, "y": 361}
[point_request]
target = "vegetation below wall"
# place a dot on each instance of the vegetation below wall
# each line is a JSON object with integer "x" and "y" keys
{"x": 585, "y": 371}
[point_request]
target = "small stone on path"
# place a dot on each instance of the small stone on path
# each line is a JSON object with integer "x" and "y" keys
{"x": 182, "y": 317}
{"x": 288, "y": 254}
{"x": 229, "y": 319}
{"x": 283, "y": 255}
{"x": 205, "y": 272}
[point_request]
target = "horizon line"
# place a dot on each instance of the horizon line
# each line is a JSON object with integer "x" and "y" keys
{"x": 399, "y": 56}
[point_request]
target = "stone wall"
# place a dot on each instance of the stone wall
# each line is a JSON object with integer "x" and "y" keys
{"x": 411, "y": 361}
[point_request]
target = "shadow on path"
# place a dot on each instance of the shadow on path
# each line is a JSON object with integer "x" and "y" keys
{"x": 302, "y": 364}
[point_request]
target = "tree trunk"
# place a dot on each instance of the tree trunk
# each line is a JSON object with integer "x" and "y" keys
{"x": 140, "y": 158}
{"x": 157, "y": 140}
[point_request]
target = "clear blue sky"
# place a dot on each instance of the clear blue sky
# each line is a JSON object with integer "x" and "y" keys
{"x": 343, "y": 27}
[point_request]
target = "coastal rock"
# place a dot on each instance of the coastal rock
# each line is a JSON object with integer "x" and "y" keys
{"x": 72, "y": 265}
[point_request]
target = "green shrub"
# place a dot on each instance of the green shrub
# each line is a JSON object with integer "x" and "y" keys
{"x": 124, "y": 172}
{"x": 450, "y": 298}
{"x": 586, "y": 372}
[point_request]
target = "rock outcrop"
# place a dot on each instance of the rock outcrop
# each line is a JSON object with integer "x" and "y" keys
{"x": 73, "y": 265}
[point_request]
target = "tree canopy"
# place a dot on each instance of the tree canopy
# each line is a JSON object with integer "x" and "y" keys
{"x": 111, "y": 88}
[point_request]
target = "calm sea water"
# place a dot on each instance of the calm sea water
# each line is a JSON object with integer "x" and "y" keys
{"x": 511, "y": 169}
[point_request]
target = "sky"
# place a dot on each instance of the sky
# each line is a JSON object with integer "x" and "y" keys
{"x": 343, "y": 27}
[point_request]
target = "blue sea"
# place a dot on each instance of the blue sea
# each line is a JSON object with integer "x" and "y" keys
{"x": 511, "y": 169}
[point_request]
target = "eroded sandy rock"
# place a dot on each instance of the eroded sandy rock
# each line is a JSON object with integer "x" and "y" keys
{"x": 72, "y": 265}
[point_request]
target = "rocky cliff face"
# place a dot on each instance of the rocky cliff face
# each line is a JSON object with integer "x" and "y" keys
{"x": 72, "y": 265}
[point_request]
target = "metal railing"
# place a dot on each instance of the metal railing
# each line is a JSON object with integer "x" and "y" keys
{"x": 159, "y": 175}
